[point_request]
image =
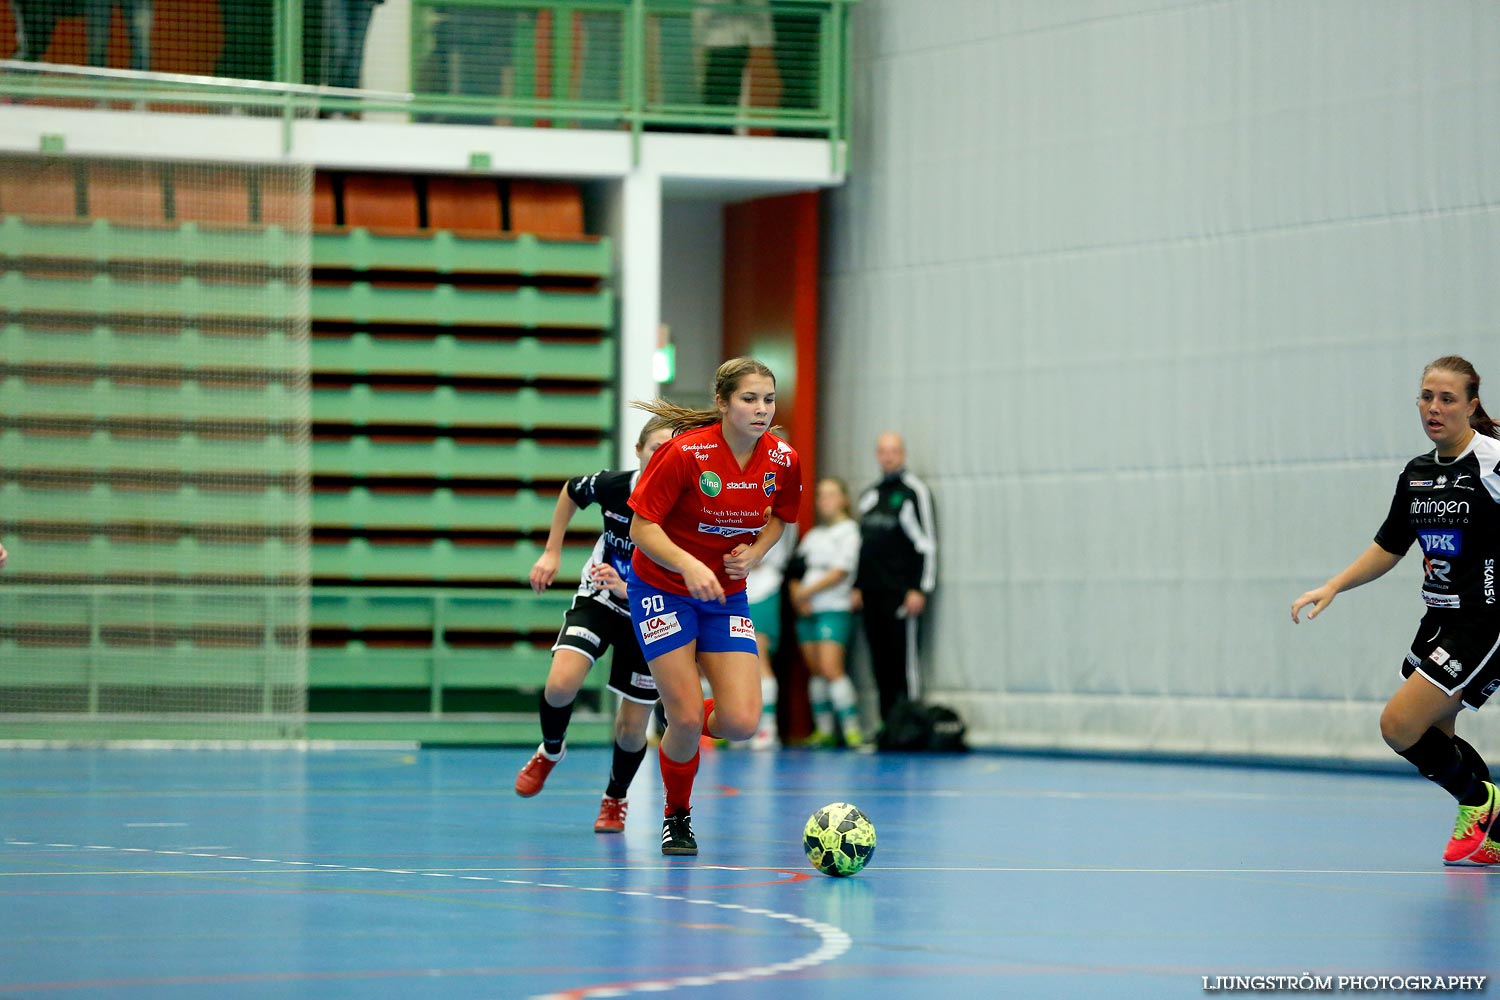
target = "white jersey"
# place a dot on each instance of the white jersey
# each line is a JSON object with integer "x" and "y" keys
{"x": 826, "y": 548}
{"x": 764, "y": 581}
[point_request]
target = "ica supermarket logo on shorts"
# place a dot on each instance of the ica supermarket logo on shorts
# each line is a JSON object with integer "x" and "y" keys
{"x": 710, "y": 484}
{"x": 659, "y": 627}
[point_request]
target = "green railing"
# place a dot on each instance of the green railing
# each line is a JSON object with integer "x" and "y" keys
{"x": 772, "y": 66}
{"x": 122, "y": 662}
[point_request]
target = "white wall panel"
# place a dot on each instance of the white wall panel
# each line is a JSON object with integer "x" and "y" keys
{"x": 1148, "y": 287}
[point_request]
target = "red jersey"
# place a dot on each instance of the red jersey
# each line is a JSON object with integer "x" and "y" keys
{"x": 707, "y": 504}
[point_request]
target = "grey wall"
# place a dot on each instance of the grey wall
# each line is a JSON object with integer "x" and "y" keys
{"x": 692, "y": 295}
{"x": 1149, "y": 286}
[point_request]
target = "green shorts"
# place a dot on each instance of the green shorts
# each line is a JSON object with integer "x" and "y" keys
{"x": 825, "y": 626}
{"x": 767, "y": 618}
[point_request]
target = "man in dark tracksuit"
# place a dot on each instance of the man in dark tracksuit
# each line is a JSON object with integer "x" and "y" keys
{"x": 897, "y": 570}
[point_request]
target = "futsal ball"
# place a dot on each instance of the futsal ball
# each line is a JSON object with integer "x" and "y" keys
{"x": 839, "y": 839}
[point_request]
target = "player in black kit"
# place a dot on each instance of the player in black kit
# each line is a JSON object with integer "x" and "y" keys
{"x": 1447, "y": 500}
{"x": 599, "y": 619}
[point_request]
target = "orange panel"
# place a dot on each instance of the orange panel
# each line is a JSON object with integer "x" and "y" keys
{"x": 325, "y": 203}
{"x": 546, "y": 208}
{"x": 386, "y": 201}
{"x": 283, "y": 201}
{"x": 463, "y": 203}
{"x": 125, "y": 192}
{"x": 211, "y": 194}
{"x": 39, "y": 186}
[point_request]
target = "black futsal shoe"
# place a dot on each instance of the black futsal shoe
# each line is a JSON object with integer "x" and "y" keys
{"x": 677, "y": 833}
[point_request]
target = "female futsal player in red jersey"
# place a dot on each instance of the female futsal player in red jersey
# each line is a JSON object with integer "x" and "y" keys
{"x": 710, "y": 504}
{"x": 1448, "y": 501}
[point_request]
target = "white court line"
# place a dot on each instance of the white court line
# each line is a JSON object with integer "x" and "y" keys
{"x": 833, "y": 941}
{"x": 1485, "y": 870}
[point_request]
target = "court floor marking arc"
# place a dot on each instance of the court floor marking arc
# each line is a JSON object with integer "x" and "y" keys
{"x": 833, "y": 941}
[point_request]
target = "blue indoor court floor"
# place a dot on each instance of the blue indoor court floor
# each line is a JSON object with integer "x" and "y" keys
{"x": 139, "y": 874}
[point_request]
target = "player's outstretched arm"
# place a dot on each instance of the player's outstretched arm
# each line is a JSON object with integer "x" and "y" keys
{"x": 1373, "y": 563}
{"x": 544, "y": 570}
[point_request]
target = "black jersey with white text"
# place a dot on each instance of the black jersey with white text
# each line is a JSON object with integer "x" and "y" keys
{"x": 611, "y": 491}
{"x": 1451, "y": 508}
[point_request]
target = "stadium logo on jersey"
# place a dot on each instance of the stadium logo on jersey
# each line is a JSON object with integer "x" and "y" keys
{"x": 728, "y": 531}
{"x": 1439, "y": 506}
{"x": 659, "y": 627}
{"x": 768, "y": 483}
{"x": 710, "y": 484}
{"x": 741, "y": 627}
{"x": 740, "y": 486}
{"x": 1445, "y": 543}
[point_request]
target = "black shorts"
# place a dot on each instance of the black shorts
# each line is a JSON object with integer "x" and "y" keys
{"x": 591, "y": 629}
{"x": 1454, "y": 655}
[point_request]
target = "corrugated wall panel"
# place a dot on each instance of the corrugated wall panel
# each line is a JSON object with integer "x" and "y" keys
{"x": 1148, "y": 288}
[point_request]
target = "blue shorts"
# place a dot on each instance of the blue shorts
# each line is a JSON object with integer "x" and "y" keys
{"x": 665, "y": 621}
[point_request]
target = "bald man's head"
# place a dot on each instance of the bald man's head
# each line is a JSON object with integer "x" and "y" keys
{"x": 890, "y": 452}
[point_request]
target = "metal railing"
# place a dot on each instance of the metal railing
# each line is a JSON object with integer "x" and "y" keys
{"x": 747, "y": 66}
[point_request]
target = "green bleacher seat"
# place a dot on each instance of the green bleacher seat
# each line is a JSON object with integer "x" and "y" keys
{"x": 448, "y": 305}
{"x": 442, "y": 252}
{"x": 513, "y": 610}
{"x": 101, "y": 503}
{"x": 441, "y": 509}
{"x": 265, "y": 349}
{"x": 524, "y": 460}
{"x": 99, "y": 557}
{"x": 102, "y": 451}
{"x": 185, "y": 399}
{"x": 357, "y": 665}
{"x": 446, "y": 356}
{"x": 103, "y": 295}
{"x": 190, "y": 244}
{"x": 438, "y": 561}
{"x": 445, "y": 406}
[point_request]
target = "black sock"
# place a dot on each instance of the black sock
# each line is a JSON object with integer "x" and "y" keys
{"x": 1471, "y": 756}
{"x": 1440, "y": 761}
{"x": 554, "y": 725}
{"x": 622, "y": 770}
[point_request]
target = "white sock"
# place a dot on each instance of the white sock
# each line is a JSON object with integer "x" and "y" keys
{"x": 845, "y": 702}
{"x": 822, "y": 708}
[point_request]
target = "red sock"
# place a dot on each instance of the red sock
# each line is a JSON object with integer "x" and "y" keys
{"x": 708, "y": 707}
{"x": 678, "y": 781}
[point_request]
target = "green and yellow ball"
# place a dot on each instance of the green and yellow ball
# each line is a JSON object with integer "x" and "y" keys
{"x": 839, "y": 839}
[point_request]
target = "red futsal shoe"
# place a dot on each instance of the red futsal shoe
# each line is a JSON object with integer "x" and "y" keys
{"x": 1472, "y": 828}
{"x": 534, "y": 775}
{"x": 611, "y": 816}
